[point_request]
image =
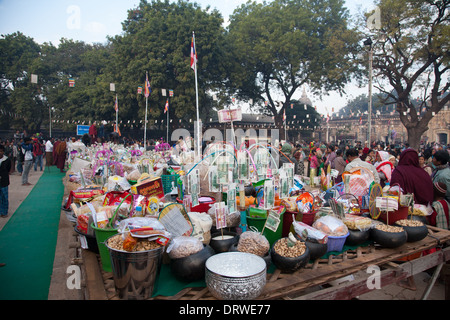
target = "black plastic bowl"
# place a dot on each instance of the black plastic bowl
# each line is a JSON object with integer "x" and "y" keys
{"x": 415, "y": 233}
{"x": 357, "y": 237}
{"x": 389, "y": 239}
{"x": 224, "y": 245}
{"x": 287, "y": 264}
{"x": 316, "y": 250}
{"x": 91, "y": 241}
{"x": 191, "y": 268}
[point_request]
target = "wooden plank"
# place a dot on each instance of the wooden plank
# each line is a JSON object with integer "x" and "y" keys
{"x": 326, "y": 273}
{"x": 358, "y": 287}
{"x": 94, "y": 279}
{"x": 285, "y": 286}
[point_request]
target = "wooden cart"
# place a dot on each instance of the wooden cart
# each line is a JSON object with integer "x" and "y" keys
{"x": 311, "y": 282}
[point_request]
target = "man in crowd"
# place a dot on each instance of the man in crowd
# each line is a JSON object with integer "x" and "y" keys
{"x": 441, "y": 173}
{"x": 49, "y": 152}
{"x": 27, "y": 150}
{"x": 5, "y": 168}
{"x": 355, "y": 161}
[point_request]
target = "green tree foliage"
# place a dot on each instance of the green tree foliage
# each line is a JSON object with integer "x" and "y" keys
{"x": 19, "y": 100}
{"x": 280, "y": 46}
{"x": 411, "y": 59}
{"x": 157, "y": 39}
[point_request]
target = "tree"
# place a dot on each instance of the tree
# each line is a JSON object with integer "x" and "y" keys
{"x": 411, "y": 58}
{"x": 156, "y": 39}
{"x": 281, "y": 46}
{"x": 20, "y": 101}
{"x": 90, "y": 99}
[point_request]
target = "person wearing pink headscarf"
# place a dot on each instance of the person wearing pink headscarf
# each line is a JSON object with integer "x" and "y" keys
{"x": 383, "y": 166}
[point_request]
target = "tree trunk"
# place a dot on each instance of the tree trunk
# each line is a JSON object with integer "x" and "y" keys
{"x": 280, "y": 126}
{"x": 414, "y": 136}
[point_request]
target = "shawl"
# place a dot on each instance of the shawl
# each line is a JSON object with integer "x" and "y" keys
{"x": 384, "y": 166}
{"x": 61, "y": 148}
{"x": 441, "y": 214}
{"x": 412, "y": 178}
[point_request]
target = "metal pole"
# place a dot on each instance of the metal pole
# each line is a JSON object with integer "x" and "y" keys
{"x": 196, "y": 97}
{"x": 145, "y": 124}
{"x": 117, "y": 114}
{"x": 370, "y": 94}
{"x": 167, "y": 123}
{"x": 50, "y": 116}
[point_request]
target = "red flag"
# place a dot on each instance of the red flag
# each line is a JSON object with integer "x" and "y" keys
{"x": 116, "y": 105}
{"x": 360, "y": 120}
{"x": 193, "y": 54}
{"x": 166, "y": 108}
{"x": 147, "y": 86}
{"x": 116, "y": 129}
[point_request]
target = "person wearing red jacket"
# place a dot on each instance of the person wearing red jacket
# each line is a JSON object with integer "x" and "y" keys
{"x": 38, "y": 154}
{"x": 93, "y": 132}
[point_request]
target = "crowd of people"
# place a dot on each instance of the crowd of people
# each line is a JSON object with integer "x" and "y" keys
{"x": 425, "y": 173}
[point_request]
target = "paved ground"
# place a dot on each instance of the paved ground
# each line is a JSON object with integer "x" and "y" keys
{"x": 65, "y": 253}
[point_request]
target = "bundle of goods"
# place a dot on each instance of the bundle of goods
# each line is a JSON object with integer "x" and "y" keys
{"x": 131, "y": 244}
{"x": 358, "y": 228}
{"x": 140, "y": 234}
{"x": 253, "y": 242}
{"x": 309, "y": 233}
{"x": 357, "y": 222}
{"x": 183, "y": 246}
{"x": 188, "y": 256}
{"x": 336, "y": 230}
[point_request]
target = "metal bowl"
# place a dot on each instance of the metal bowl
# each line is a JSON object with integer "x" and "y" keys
{"x": 235, "y": 275}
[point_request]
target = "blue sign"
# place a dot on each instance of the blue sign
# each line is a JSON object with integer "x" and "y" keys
{"x": 81, "y": 130}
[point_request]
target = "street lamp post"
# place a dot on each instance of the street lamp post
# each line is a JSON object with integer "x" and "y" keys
{"x": 368, "y": 43}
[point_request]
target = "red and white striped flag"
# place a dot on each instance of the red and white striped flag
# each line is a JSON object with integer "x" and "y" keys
{"x": 147, "y": 87}
{"x": 193, "y": 54}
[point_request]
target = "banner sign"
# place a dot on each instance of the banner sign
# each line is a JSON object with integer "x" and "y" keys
{"x": 81, "y": 130}
{"x": 226, "y": 115}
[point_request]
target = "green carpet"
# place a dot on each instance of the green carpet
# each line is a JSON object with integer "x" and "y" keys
{"x": 28, "y": 241}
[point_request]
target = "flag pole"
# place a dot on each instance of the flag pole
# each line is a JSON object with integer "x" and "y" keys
{"x": 167, "y": 122}
{"x": 196, "y": 97}
{"x": 145, "y": 122}
{"x": 117, "y": 114}
{"x": 146, "y": 93}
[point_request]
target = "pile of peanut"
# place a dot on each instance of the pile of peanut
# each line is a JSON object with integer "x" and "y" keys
{"x": 143, "y": 244}
{"x": 409, "y": 223}
{"x": 387, "y": 228}
{"x": 253, "y": 242}
{"x": 282, "y": 248}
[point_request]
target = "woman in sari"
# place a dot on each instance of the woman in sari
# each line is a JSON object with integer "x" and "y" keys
{"x": 383, "y": 166}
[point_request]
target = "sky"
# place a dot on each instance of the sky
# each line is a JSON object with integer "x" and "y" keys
{"x": 93, "y": 20}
